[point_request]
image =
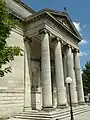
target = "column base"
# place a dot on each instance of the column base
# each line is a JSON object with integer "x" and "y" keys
{"x": 74, "y": 104}
{"x": 25, "y": 109}
{"x": 62, "y": 106}
{"x": 36, "y": 100}
{"x": 82, "y": 103}
{"x": 50, "y": 108}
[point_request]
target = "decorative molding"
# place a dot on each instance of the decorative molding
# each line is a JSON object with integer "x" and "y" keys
{"x": 25, "y": 6}
{"x": 12, "y": 90}
{"x": 55, "y": 39}
{"x": 18, "y": 31}
{"x": 43, "y": 31}
{"x": 62, "y": 37}
{"x": 15, "y": 14}
{"x": 75, "y": 51}
{"x": 27, "y": 39}
{"x": 45, "y": 14}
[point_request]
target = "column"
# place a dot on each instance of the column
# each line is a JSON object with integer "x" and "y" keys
{"x": 70, "y": 73}
{"x": 46, "y": 71}
{"x": 27, "y": 77}
{"x": 65, "y": 65}
{"x": 54, "y": 90}
{"x": 65, "y": 73}
{"x": 78, "y": 78}
{"x": 61, "y": 100}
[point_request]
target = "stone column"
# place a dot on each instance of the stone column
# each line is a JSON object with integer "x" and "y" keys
{"x": 54, "y": 90}
{"x": 70, "y": 73}
{"x": 65, "y": 73}
{"x": 45, "y": 70}
{"x": 27, "y": 76}
{"x": 78, "y": 78}
{"x": 65, "y": 65}
{"x": 61, "y": 100}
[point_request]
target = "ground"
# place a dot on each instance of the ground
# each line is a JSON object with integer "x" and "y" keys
{"x": 82, "y": 116}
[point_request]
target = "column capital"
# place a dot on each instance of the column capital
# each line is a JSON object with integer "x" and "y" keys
{"x": 76, "y": 51}
{"x": 69, "y": 46}
{"x": 57, "y": 39}
{"x": 64, "y": 52}
{"x": 43, "y": 31}
{"x": 27, "y": 39}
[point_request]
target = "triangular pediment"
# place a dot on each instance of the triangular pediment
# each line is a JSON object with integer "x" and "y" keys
{"x": 60, "y": 18}
{"x": 65, "y": 20}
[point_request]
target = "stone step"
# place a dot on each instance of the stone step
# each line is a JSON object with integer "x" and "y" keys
{"x": 34, "y": 118}
{"x": 61, "y": 114}
{"x": 60, "y": 111}
{"x": 54, "y": 115}
{"x": 68, "y": 112}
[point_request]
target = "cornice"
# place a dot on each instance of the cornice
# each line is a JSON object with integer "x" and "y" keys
{"x": 24, "y": 5}
{"x": 15, "y": 14}
{"x": 45, "y": 14}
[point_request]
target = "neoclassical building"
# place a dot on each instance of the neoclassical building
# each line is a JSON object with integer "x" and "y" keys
{"x": 51, "y": 53}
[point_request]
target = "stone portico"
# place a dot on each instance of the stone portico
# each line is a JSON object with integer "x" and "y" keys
{"x": 52, "y": 53}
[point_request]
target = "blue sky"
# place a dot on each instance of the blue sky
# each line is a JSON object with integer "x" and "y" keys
{"x": 79, "y": 13}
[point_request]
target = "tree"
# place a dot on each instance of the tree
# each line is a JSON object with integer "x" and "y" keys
{"x": 7, "y": 53}
{"x": 86, "y": 78}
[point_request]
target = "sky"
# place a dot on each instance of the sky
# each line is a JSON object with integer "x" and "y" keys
{"x": 79, "y": 12}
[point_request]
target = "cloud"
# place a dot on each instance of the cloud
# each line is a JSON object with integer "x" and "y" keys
{"x": 77, "y": 25}
{"x": 83, "y": 42}
{"x": 83, "y": 54}
{"x": 84, "y": 26}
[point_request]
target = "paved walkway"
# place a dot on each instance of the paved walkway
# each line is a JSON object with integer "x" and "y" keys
{"x": 82, "y": 116}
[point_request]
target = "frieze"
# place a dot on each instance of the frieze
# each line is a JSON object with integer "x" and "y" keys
{"x": 15, "y": 14}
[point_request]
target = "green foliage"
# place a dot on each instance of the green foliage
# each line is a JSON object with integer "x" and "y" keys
{"x": 7, "y": 53}
{"x": 86, "y": 78}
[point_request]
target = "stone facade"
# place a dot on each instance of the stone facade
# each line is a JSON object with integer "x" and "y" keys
{"x": 50, "y": 43}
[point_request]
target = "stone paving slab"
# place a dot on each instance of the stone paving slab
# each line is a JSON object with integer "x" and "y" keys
{"x": 82, "y": 116}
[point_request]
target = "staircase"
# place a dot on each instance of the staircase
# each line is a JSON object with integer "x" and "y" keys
{"x": 51, "y": 115}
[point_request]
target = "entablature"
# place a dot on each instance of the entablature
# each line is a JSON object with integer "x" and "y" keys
{"x": 43, "y": 14}
{"x": 33, "y": 29}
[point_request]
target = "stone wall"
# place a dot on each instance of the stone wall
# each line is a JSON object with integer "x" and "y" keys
{"x": 12, "y": 84}
{"x": 11, "y": 102}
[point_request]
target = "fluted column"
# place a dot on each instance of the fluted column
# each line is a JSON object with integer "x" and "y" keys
{"x": 27, "y": 77}
{"x": 65, "y": 73}
{"x": 70, "y": 73}
{"x": 65, "y": 65}
{"x": 54, "y": 90}
{"x": 61, "y": 100}
{"x": 45, "y": 70}
{"x": 78, "y": 78}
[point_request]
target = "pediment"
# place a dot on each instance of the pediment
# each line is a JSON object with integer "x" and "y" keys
{"x": 59, "y": 18}
{"x": 66, "y": 22}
